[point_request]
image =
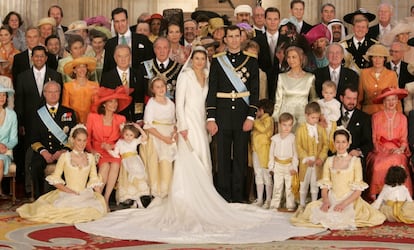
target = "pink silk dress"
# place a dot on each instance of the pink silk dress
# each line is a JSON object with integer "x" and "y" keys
{"x": 99, "y": 133}
{"x": 387, "y": 133}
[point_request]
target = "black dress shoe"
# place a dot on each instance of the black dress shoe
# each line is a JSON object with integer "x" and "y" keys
{"x": 146, "y": 200}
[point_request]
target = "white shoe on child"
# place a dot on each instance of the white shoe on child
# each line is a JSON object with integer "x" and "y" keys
{"x": 266, "y": 204}
{"x": 258, "y": 203}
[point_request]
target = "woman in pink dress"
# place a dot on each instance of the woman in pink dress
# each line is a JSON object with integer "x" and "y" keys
{"x": 389, "y": 135}
{"x": 103, "y": 126}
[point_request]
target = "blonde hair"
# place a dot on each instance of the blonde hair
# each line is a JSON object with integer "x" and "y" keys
{"x": 329, "y": 84}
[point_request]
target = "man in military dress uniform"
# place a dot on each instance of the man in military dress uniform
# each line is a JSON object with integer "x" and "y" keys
{"x": 51, "y": 127}
{"x": 359, "y": 43}
{"x": 161, "y": 66}
{"x": 231, "y": 109}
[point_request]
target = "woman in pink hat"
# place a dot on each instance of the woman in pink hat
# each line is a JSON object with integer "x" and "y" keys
{"x": 389, "y": 135}
{"x": 103, "y": 126}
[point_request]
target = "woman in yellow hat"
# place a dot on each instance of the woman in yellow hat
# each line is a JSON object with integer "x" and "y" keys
{"x": 79, "y": 93}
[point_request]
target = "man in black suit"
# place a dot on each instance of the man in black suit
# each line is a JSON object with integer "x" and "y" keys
{"x": 28, "y": 99}
{"x": 56, "y": 12}
{"x": 358, "y": 123}
{"x": 335, "y": 72}
{"x": 259, "y": 20}
{"x": 385, "y": 13}
{"x": 47, "y": 143}
{"x": 123, "y": 74}
{"x": 140, "y": 45}
{"x": 161, "y": 66}
{"x": 231, "y": 109}
{"x": 297, "y": 9}
{"x": 399, "y": 66}
{"x": 23, "y": 60}
{"x": 268, "y": 43}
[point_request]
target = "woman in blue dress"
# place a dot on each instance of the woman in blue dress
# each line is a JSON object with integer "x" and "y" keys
{"x": 8, "y": 132}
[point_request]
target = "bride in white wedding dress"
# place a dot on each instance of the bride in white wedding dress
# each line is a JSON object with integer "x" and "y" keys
{"x": 194, "y": 212}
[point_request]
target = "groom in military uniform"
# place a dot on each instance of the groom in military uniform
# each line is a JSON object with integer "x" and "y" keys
{"x": 231, "y": 109}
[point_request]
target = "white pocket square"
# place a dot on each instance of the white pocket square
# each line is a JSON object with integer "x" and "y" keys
{"x": 357, "y": 124}
{"x": 140, "y": 46}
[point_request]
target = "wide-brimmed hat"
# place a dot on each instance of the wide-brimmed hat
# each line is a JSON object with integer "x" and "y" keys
{"x": 349, "y": 18}
{"x": 209, "y": 14}
{"x": 90, "y": 63}
{"x": 208, "y": 42}
{"x": 77, "y": 25}
{"x": 98, "y": 21}
{"x": 318, "y": 31}
{"x": 215, "y": 23}
{"x": 377, "y": 50}
{"x": 105, "y": 94}
{"x": 100, "y": 29}
{"x": 47, "y": 20}
{"x": 5, "y": 82}
{"x": 400, "y": 93}
{"x": 399, "y": 28}
{"x": 243, "y": 8}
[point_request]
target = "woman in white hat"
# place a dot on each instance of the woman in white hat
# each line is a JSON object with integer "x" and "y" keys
{"x": 8, "y": 132}
{"x": 401, "y": 33}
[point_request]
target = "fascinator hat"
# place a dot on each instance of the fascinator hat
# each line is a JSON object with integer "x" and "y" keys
{"x": 106, "y": 94}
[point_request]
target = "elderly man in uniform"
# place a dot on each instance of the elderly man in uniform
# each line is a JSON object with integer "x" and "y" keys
{"x": 243, "y": 13}
{"x": 359, "y": 43}
{"x": 162, "y": 66}
{"x": 51, "y": 127}
{"x": 231, "y": 109}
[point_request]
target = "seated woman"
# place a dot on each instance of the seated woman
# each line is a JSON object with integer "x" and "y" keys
{"x": 390, "y": 138}
{"x": 341, "y": 206}
{"x": 76, "y": 198}
{"x": 8, "y": 132}
{"x": 79, "y": 94}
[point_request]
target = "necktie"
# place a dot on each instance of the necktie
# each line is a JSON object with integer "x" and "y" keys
{"x": 359, "y": 45}
{"x": 395, "y": 69}
{"x": 123, "y": 40}
{"x": 345, "y": 118}
{"x": 272, "y": 47}
{"x": 334, "y": 76}
{"x": 52, "y": 111}
{"x": 162, "y": 67}
{"x": 124, "y": 79}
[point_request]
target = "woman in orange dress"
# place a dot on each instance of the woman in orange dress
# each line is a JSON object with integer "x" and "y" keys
{"x": 7, "y": 51}
{"x": 103, "y": 125}
{"x": 374, "y": 79}
{"x": 389, "y": 135}
{"x": 79, "y": 94}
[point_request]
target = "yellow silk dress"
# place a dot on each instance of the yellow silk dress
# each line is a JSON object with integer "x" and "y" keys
{"x": 341, "y": 184}
{"x": 61, "y": 207}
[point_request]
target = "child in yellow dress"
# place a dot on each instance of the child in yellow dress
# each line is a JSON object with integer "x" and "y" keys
{"x": 261, "y": 134}
{"x": 395, "y": 200}
{"x": 312, "y": 148}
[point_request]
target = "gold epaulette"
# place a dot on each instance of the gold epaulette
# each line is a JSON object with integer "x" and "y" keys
{"x": 219, "y": 54}
{"x": 249, "y": 54}
{"x": 375, "y": 41}
{"x": 344, "y": 43}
